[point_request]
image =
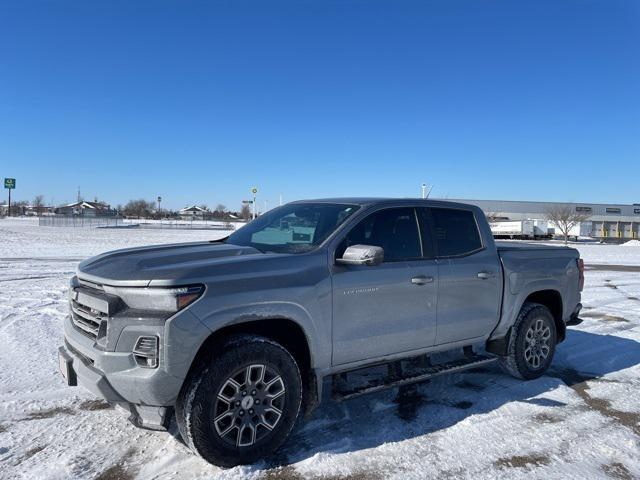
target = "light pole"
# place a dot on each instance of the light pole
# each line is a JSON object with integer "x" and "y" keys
{"x": 426, "y": 190}
{"x": 159, "y": 209}
{"x": 254, "y": 190}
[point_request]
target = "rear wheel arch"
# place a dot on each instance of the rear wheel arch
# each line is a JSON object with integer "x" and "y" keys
{"x": 552, "y": 299}
{"x": 533, "y": 335}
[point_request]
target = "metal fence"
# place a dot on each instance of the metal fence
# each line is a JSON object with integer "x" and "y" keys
{"x": 109, "y": 221}
{"x": 182, "y": 224}
{"x": 80, "y": 221}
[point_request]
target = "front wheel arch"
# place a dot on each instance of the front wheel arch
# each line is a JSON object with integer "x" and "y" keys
{"x": 196, "y": 407}
{"x": 285, "y": 332}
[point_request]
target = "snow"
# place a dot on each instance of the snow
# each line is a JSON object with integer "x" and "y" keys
{"x": 632, "y": 243}
{"x": 579, "y": 421}
{"x": 595, "y": 253}
{"x": 609, "y": 254}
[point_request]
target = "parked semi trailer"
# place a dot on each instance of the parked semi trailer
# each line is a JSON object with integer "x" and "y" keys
{"x": 521, "y": 229}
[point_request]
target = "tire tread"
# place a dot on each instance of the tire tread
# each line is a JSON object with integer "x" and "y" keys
{"x": 511, "y": 363}
{"x": 189, "y": 408}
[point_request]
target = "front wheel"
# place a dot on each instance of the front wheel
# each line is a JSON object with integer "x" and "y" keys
{"x": 241, "y": 405}
{"x": 532, "y": 343}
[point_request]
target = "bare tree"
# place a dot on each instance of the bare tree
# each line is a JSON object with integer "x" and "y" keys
{"x": 220, "y": 211}
{"x": 245, "y": 211}
{"x": 204, "y": 207}
{"x": 18, "y": 207}
{"x": 139, "y": 208}
{"x": 494, "y": 216}
{"x": 38, "y": 204}
{"x": 565, "y": 217}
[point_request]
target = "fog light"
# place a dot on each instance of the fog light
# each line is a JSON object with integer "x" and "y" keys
{"x": 146, "y": 352}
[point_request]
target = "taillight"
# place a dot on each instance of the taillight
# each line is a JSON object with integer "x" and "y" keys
{"x": 580, "y": 273}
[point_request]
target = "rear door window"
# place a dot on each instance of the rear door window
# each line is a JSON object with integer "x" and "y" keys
{"x": 455, "y": 232}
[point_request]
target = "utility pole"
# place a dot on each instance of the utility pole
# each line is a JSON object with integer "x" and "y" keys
{"x": 159, "y": 210}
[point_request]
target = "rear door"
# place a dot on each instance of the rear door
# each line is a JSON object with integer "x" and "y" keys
{"x": 389, "y": 308}
{"x": 469, "y": 276}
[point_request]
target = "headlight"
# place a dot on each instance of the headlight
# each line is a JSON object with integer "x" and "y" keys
{"x": 157, "y": 299}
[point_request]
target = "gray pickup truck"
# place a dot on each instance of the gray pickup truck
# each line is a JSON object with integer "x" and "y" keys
{"x": 236, "y": 337}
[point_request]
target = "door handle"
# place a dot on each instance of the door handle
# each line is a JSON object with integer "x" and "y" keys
{"x": 485, "y": 275}
{"x": 421, "y": 280}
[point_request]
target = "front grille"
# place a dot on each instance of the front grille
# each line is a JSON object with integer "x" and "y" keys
{"x": 92, "y": 285}
{"x": 86, "y": 319}
{"x": 91, "y": 309}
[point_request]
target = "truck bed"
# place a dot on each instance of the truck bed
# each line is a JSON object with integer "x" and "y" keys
{"x": 518, "y": 246}
{"x": 528, "y": 267}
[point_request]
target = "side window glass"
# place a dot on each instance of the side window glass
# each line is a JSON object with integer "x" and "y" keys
{"x": 456, "y": 231}
{"x": 394, "y": 229}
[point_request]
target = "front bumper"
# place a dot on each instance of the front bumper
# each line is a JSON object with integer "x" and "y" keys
{"x": 147, "y": 393}
{"x": 78, "y": 370}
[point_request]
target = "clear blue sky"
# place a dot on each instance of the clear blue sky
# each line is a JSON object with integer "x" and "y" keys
{"x": 198, "y": 101}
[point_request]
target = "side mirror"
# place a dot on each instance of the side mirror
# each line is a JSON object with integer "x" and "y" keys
{"x": 362, "y": 255}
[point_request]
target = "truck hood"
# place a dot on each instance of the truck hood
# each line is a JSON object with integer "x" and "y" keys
{"x": 162, "y": 264}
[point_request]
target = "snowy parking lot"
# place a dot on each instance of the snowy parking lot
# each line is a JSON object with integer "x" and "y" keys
{"x": 582, "y": 420}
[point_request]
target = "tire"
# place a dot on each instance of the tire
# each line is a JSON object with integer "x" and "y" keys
{"x": 532, "y": 343}
{"x": 209, "y": 405}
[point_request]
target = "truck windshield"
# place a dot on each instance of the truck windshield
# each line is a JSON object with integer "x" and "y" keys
{"x": 292, "y": 228}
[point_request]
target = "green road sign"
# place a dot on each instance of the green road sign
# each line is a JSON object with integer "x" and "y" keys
{"x": 9, "y": 183}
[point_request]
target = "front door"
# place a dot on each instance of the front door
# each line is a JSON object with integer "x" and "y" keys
{"x": 389, "y": 308}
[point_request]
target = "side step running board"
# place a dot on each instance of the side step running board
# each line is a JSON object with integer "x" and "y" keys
{"x": 470, "y": 362}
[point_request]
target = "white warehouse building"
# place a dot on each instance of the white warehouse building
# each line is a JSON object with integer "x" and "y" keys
{"x": 605, "y": 221}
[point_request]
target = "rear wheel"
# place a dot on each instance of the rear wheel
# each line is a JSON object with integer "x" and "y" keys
{"x": 532, "y": 343}
{"x": 242, "y": 404}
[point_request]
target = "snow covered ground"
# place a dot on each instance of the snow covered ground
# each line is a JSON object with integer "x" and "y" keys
{"x": 582, "y": 420}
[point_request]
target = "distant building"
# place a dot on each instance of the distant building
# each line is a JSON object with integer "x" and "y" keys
{"x": 87, "y": 209}
{"x": 193, "y": 213}
{"x": 604, "y": 221}
{"x": 20, "y": 209}
{"x": 32, "y": 211}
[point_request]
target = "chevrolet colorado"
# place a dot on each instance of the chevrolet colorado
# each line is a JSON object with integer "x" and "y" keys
{"x": 235, "y": 337}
